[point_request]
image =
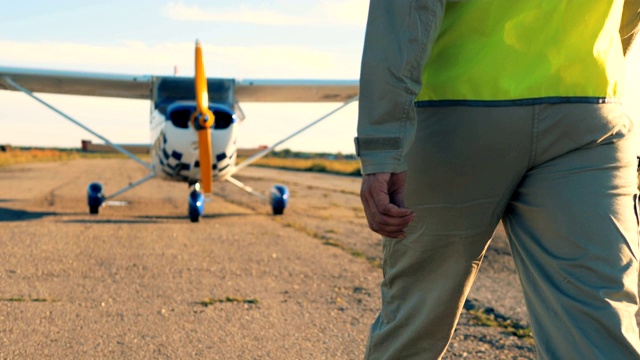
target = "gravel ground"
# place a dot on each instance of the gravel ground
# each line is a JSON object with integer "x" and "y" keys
{"x": 140, "y": 282}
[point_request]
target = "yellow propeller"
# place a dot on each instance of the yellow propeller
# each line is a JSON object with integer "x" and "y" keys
{"x": 202, "y": 120}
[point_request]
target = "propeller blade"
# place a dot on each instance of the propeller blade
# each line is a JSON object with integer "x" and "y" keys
{"x": 206, "y": 161}
{"x": 203, "y": 120}
{"x": 202, "y": 95}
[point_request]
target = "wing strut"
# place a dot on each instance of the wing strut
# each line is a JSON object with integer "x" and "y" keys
{"x": 131, "y": 186}
{"x": 115, "y": 146}
{"x": 264, "y": 152}
{"x": 246, "y": 188}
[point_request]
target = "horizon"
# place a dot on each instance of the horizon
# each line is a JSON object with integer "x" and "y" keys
{"x": 247, "y": 39}
{"x": 5, "y": 147}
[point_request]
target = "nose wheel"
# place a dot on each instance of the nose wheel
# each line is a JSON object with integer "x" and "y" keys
{"x": 196, "y": 203}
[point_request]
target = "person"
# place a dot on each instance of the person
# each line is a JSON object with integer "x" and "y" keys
{"x": 477, "y": 111}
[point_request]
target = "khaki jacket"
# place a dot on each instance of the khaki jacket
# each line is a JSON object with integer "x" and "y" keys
{"x": 398, "y": 41}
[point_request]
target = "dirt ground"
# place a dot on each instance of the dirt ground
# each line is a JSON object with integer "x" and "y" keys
{"x": 139, "y": 281}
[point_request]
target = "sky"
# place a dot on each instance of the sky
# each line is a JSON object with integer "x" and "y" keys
{"x": 278, "y": 39}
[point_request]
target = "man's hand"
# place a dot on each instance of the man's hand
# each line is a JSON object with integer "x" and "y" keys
{"x": 382, "y": 197}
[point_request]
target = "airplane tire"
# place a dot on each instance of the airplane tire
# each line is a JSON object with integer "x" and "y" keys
{"x": 196, "y": 205}
{"x": 95, "y": 197}
{"x": 279, "y": 199}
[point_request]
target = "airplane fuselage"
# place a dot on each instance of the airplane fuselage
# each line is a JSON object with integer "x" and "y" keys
{"x": 174, "y": 151}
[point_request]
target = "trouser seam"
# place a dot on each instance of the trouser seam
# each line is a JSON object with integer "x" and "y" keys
{"x": 534, "y": 135}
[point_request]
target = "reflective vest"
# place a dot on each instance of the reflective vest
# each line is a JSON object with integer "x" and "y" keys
{"x": 511, "y": 52}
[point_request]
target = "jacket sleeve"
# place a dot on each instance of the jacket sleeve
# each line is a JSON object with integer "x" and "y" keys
{"x": 629, "y": 27}
{"x": 398, "y": 40}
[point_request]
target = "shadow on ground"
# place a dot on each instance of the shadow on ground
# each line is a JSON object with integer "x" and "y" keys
{"x": 110, "y": 221}
{"x": 22, "y": 215}
{"x": 185, "y": 217}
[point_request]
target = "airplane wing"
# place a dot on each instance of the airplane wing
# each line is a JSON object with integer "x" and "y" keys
{"x": 163, "y": 89}
{"x": 141, "y": 87}
{"x": 296, "y": 90}
{"x": 78, "y": 83}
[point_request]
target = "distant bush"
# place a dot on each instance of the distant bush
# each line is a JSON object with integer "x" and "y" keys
{"x": 287, "y": 153}
{"x": 317, "y": 167}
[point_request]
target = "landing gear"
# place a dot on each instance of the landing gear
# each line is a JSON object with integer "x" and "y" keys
{"x": 279, "y": 199}
{"x": 95, "y": 197}
{"x": 196, "y": 203}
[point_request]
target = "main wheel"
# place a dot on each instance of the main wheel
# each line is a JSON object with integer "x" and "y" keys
{"x": 279, "y": 199}
{"x": 95, "y": 197}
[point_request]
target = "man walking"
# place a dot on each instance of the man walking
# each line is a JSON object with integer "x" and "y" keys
{"x": 477, "y": 111}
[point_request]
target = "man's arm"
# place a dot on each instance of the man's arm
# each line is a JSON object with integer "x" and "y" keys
{"x": 630, "y": 25}
{"x": 398, "y": 40}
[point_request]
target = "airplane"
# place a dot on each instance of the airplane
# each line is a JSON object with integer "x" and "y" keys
{"x": 193, "y": 121}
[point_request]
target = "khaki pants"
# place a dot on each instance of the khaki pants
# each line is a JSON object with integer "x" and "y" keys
{"x": 563, "y": 180}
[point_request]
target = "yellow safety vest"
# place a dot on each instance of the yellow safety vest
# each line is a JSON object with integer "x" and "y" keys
{"x": 506, "y": 52}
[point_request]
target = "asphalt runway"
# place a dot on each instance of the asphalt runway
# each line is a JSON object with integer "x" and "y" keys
{"x": 136, "y": 280}
{"x": 139, "y": 281}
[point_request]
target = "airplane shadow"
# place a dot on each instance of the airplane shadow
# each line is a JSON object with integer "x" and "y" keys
{"x": 148, "y": 219}
{"x": 7, "y": 215}
{"x": 206, "y": 216}
{"x": 23, "y": 215}
{"x": 110, "y": 221}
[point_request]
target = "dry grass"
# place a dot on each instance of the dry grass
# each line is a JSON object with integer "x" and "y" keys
{"x": 17, "y": 156}
{"x": 23, "y": 156}
{"x": 23, "y": 299}
{"x": 488, "y": 317}
{"x": 344, "y": 167}
{"x": 228, "y": 299}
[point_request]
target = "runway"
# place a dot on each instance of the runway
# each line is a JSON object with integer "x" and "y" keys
{"x": 140, "y": 281}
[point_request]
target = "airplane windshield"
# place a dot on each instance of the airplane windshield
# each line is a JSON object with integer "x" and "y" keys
{"x": 168, "y": 90}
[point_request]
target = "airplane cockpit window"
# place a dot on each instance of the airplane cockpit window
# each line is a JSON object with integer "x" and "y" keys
{"x": 169, "y": 90}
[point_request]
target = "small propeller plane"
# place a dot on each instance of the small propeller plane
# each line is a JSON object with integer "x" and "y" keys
{"x": 193, "y": 121}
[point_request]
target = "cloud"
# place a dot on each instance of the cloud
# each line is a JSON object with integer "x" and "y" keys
{"x": 348, "y": 12}
{"x": 327, "y": 13}
{"x": 134, "y": 57}
{"x": 81, "y": 56}
{"x": 180, "y": 11}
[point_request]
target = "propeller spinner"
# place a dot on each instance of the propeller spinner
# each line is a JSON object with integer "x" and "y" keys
{"x": 202, "y": 120}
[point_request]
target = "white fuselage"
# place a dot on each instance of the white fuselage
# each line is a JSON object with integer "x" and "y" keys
{"x": 175, "y": 152}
